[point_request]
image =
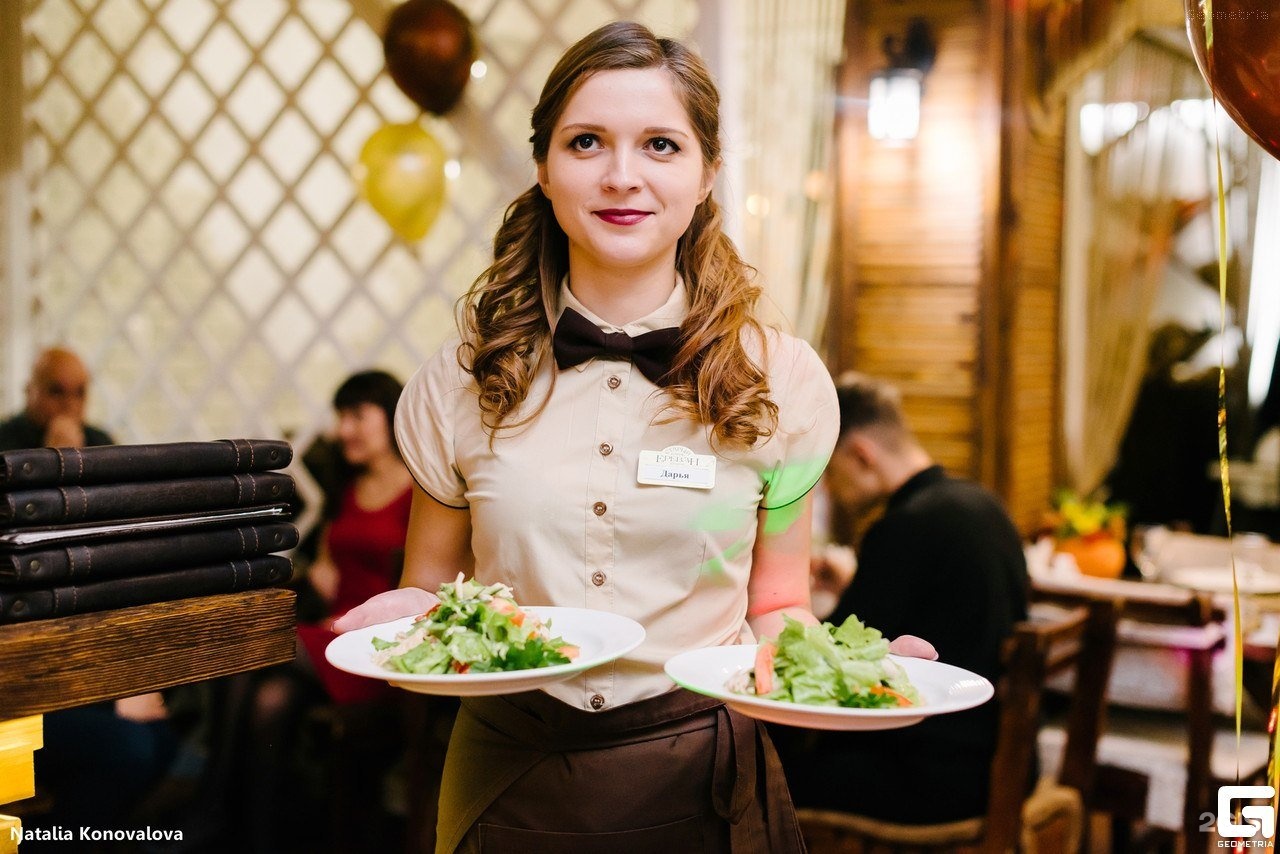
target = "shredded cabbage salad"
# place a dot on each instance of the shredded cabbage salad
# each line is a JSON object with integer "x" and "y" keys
{"x": 475, "y": 628}
{"x": 826, "y": 665}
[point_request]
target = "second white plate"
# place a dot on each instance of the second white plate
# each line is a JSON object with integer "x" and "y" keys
{"x": 600, "y": 636}
{"x": 943, "y": 688}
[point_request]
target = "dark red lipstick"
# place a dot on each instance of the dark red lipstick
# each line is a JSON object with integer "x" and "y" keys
{"x": 621, "y": 216}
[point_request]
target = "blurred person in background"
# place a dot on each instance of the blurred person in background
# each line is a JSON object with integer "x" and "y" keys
{"x": 54, "y": 415}
{"x": 361, "y": 554}
{"x": 945, "y": 562}
{"x": 98, "y": 761}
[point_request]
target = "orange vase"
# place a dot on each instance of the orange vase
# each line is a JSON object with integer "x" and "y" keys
{"x": 1101, "y": 556}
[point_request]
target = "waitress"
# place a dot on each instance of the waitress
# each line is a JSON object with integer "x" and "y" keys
{"x": 615, "y": 429}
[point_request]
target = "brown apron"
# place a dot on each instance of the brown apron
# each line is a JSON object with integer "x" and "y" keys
{"x": 675, "y": 773}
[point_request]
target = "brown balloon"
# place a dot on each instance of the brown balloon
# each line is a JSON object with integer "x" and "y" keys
{"x": 1243, "y": 65}
{"x": 429, "y": 46}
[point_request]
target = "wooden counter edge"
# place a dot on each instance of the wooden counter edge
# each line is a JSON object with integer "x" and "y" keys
{"x": 46, "y": 665}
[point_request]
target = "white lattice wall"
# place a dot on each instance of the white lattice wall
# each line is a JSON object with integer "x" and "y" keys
{"x": 190, "y": 221}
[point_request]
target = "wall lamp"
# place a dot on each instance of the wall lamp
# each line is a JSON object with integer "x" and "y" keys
{"x": 893, "y": 111}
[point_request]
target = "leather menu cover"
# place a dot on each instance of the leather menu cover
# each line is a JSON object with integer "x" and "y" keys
{"x": 74, "y": 503}
{"x": 18, "y": 538}
{"x": 33, "y": 467}
{"x": 98, "y": 561}
{"x": 19, "y": 606}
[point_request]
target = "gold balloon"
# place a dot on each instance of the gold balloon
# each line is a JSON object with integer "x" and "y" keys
{"x": 401, "y": 174}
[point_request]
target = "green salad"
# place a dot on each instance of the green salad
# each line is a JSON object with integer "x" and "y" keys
{"x": 826, "y": 665}
{"x": 475, "y": 628}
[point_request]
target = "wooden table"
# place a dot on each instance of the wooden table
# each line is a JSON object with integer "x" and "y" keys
{"x": 47, "y": 665}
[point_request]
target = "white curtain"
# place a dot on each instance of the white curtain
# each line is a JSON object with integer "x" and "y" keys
{"x": 784, "y": 58}
{"x": 1136, "y": 163}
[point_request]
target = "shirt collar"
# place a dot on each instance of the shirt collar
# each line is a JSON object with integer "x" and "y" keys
{"x": 670, "y": 313}
{"x": 917, "y": 482}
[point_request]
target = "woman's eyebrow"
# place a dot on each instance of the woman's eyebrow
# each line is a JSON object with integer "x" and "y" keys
{"x": 661, "y": 131}
{"x": 582, "y": 127}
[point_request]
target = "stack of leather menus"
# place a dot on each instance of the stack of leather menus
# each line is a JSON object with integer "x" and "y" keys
{"x": 90, "y": 529}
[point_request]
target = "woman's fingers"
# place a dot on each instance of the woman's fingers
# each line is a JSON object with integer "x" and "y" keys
{"x": 391, "y": 605}
{"x": 913, "y": 647}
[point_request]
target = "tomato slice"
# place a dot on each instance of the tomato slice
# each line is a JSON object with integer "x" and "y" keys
{"x": 897, "y": 695}
{"x": 570, "y": 651}
{"x": 764, "y": 668}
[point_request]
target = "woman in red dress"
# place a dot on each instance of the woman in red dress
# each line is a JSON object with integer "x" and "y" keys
{"x": 362, "y": 550}
{"x": 361, "y": 554}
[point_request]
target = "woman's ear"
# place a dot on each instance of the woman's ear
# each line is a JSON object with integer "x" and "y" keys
{"x": 542, "y": 177}
{"x": 709, "y": 174}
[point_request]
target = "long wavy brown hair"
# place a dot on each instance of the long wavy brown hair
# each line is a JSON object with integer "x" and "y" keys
{"x": 504, "y": 317}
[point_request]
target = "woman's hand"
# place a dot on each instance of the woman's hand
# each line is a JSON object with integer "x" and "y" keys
{"x": 913, "y": 647}
{"x": 324, "y": 577}
{"x": 385, "y": 607}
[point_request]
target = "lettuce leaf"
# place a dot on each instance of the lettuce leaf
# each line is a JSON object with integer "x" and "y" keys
{"x": 829, "y": 665}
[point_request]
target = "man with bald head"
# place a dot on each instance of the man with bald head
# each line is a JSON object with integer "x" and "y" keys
{"x": 54, "y": 416}
{"x": 97, "y": 760}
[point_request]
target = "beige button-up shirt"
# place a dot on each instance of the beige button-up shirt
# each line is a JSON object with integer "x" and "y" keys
{"x": 557, "y": 511}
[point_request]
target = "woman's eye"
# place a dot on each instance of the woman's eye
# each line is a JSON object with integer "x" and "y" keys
{"x": 584, "y": 142}
{"x": 662, "y": 145}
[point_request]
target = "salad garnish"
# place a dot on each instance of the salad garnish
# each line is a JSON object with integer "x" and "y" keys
{"x": 826, "y": 665}
{"x": 475, "y": 628}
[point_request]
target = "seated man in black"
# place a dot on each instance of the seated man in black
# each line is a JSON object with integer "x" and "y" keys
{"x": 54, "y": 415}
{"x": 944, "y": 562}
{"x": 99, "y": 760}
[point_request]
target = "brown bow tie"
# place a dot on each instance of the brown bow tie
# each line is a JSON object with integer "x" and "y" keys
{"x": 577, "y": 339}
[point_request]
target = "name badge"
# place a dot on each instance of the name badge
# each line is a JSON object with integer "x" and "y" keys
{"x": 677, "y": 466}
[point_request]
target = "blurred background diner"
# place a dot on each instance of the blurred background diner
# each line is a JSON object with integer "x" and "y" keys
{"x": 1008, "y": 212}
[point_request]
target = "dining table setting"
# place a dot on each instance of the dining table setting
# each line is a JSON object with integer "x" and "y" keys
{"x": 1152, "y": 677}
{"x": 1169, "y": 563}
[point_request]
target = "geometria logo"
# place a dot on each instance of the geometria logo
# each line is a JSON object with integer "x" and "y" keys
{"x": 1256, "y": 819}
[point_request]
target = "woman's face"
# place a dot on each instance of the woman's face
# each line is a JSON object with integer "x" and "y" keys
{"x": 624, "y": 172}
{"x": 363, "y": 433}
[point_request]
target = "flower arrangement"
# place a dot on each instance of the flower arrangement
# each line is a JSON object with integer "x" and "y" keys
{"x": 1074, "y": 516}
{"x": 1090, "y": 530}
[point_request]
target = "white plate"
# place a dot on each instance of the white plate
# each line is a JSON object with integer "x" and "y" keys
{"x": 943, "y": 688}
{"x": 599, "y": 635}
{"x": 1253, "y": 579}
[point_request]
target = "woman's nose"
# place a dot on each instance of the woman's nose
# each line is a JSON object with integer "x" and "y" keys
{"x": 622, "y": 173}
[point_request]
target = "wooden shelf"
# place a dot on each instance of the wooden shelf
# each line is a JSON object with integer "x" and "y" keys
{"x": 46, "y": 665}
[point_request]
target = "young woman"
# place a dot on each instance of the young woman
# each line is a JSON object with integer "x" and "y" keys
{"x": 617, "y": 321}
{"x": 362, "y": 550}
{"x": 361, "y": 554}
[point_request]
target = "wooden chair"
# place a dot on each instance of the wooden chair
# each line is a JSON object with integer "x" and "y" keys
{"x": 1052, "y": 817}
{"x": 1140, "y": 750}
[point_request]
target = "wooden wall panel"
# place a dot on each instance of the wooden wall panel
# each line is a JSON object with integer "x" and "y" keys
{"x": 1029, "y": 464}
{"x": 947, "y": 249}
{"x": 914, "y": 224}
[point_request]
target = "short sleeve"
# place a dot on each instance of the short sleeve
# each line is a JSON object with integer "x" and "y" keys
{"x": 808, "y": 422}
{"x": 426, "y": 418}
